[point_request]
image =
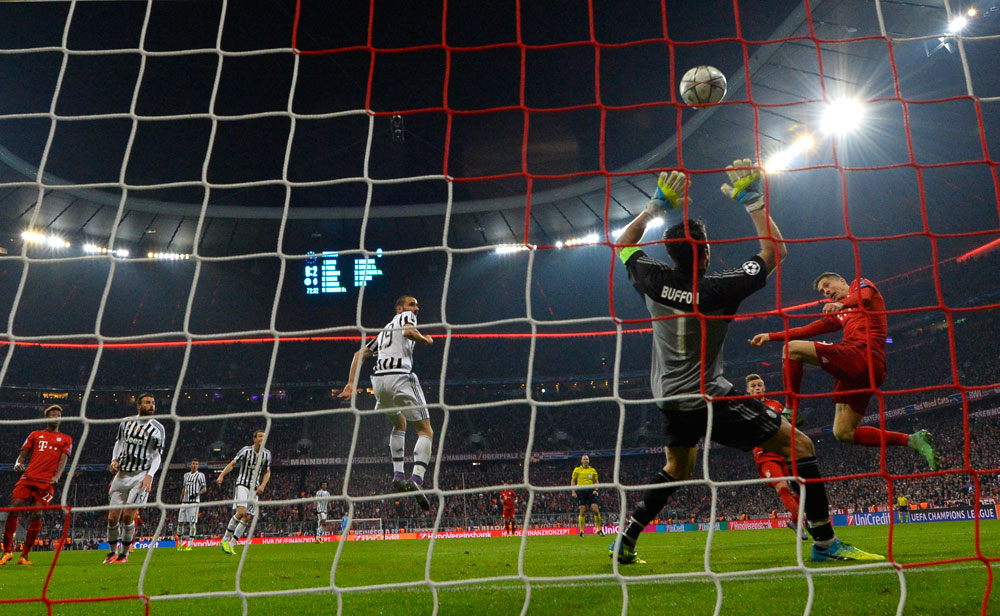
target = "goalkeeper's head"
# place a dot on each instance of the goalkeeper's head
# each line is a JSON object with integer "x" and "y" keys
{"x": 684, "y": 252}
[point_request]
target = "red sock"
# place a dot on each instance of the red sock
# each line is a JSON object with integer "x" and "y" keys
{"x": 872, "y": 437}
{"x": 793, "y": 372}
{"x": 791, "y": 502}
{"x": 8, "y": 531}
{"x": 29, "y": 540}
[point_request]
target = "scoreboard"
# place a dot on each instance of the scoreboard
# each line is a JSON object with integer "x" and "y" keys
{"x": 324, "y": 272}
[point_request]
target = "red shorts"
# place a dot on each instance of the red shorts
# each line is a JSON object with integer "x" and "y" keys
{"x": 772, "y": 468}
{"x": 849, "y": 365}
{"x": 508, "y": 513}
{"x": 28, "y": 491}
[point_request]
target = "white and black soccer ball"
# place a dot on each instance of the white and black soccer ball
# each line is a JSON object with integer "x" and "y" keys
{"x": 703, "y": 85}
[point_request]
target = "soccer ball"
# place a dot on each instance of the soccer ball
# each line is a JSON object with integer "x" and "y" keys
{"x": 703, "y": 85}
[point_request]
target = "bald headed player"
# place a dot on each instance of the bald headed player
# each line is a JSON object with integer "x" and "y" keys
{"x": 398, "y": 393}
{"x": 585, "y": 476}
{"x": 49, "y": 450}
{"x": 859, "y": 310}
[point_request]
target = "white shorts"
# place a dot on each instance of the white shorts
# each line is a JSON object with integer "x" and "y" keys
{"x": 126, "y": 489}
{"x": 187, "y": 515}
{"x": 321, "y": 517}
{"x": 400, "y": 393}
{"x": 242, "y": 499}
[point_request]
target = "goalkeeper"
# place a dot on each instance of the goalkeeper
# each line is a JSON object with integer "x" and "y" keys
{"x": 692, "y": 311}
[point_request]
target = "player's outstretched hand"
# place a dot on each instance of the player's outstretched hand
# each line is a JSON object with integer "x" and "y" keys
{"x": 832, "y": 307}
{"x": 114, "y": 466}
{"x": 18, "y": 467}
{"x": 346, "y": 392}
{"x": 760, "y": 339}
{"x": 747, "y": 187}
{"x": 671, "y": 193}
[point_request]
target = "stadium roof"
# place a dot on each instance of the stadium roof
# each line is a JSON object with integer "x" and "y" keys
{"x": 842, "y": 40}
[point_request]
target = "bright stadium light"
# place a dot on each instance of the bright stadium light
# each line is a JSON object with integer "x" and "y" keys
{"x": 506, "y": 249}
{"x": 92, "y": 249}
{"x": 842, "y": 116}
{"x": 590, "y": 238}
{"x": 972, "y": 12}
{"x": 559, "y": 244}
{"x": 782, "y": 160}
{"x": 957, "y": 24}
{"x": 168, "y": 256}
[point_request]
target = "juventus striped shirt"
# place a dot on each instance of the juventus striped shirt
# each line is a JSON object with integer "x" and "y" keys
{"x": 250, "y": 475}
{"x": 138, "y": 439}
{"x": 392, "y": 350}
{"x": 193, "y": 483}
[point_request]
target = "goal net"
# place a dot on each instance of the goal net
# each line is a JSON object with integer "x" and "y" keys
{"x": 220, "y": 203}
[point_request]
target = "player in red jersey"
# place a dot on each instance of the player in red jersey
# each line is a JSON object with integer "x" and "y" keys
{"x": 509, "y": 500}
{"x": 859, "y": 310}
{"x": 49, "y": 450}
{"x": 771, "y": 464}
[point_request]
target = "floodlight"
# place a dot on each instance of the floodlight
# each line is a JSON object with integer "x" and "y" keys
{"x": 957, "y": 24}
{"x": 842, "y": 116}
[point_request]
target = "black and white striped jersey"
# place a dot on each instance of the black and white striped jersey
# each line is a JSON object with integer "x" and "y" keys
{"x": 392, "y": 350}
{"x": 139, "y": 438}
{"x": 323, "y": 501}
{"x": 193, "y": 483}
{"x": 250, "y": 475}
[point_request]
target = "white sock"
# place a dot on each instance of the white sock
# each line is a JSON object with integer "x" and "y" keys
{"x": 240, "y": 529}
{"x": 230, "y": 529}
{"x": 112, "y": 535}
{"x": 397, "y": 442}
{"x": 421, "y": 456}
{"x": 191, "y": 532}
{"x": 128, "y": 534}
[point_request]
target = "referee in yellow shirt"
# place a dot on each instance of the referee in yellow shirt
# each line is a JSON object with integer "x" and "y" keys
{"x": 586, "y": 475}
{"x": 904, "y": 509}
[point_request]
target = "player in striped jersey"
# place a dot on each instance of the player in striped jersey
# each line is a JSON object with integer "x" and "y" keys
{"x": 187, "y": 517}
{"x": 134, "y": 461}
{"x": 398, "y": 393}
{"x": 49, "y": 450}
{"x": 255, "y": 471}
{"x": 323, "y": 501}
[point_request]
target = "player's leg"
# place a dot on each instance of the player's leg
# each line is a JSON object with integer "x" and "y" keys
{"x": 117, "y": 496}
{"x": 192, "y": 530}
{"x": 240, "y": 504}
{"x": 397, "y": 449}
{"x": 320, "y": 521}
{"x": 826, "y": 546}
{"x": 127, "y": 525}
{"x": 421, "y": 453}
{"x": 597, "y": 516}
{"x": 794, "y": 355}
{"x": 10, "y": 529}
{"x": 582, "y": 517}
{"x": 680, "y": 464}
{"x": 34, "y": 527}
{"x": 244, "y": 524}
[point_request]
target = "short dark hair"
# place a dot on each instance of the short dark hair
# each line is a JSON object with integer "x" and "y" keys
{"x": 145, "y": 394}
{"x": 681, "y": 251}
{"x": 401, "y": 300}
{"x": 258, "y": 430}
{"x": 823, "y": 276}
{"x": 194, "y": 460}
{"x": 53, "y": 407}
{"x": 753, "y": 377}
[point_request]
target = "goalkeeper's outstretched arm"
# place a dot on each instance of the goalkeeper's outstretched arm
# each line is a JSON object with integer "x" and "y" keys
{"x": 747, "y": 189}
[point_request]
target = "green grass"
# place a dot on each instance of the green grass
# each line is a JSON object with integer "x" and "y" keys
{"x": 953, "y": 589}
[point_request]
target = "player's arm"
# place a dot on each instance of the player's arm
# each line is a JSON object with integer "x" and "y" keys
{"x": 59, "y": 471}
{"x": 748, "y": 190}
{"x": 359, "y": 357}
{"x": 263, "y": 483}
{"x": 154, "y": 465}
{"x": 116, "y": 452}
{"x": 572, "y": 482}
{"x": 821, "y": 326}
{"x": 225, "y": 471}
{"x": 22, "y": 457}
{"x": 411, "y": 332}
{"x": 669, "y": 200}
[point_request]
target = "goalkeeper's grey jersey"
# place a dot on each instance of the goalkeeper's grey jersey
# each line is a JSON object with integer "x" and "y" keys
{"x": 392, "y": 350}
{"x": 677, "y": 355}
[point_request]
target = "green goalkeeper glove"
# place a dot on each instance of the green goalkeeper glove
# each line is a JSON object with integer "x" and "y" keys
{"x": 668, "y": 199}
{"x": 747, "y": 187}
{"x": 787, "y": 414}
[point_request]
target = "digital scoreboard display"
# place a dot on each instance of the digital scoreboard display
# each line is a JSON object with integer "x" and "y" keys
{"x": 324, "y": 272}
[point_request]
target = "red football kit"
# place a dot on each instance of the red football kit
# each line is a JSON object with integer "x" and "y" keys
{"x": 507, "y": 498}
{"x": 770, "y": 464}
{"x": 46, "y": 450}
{"x": 864, "y": 329}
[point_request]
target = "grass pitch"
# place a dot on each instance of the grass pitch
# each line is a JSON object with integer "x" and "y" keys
{"x": 954, "y": 589}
